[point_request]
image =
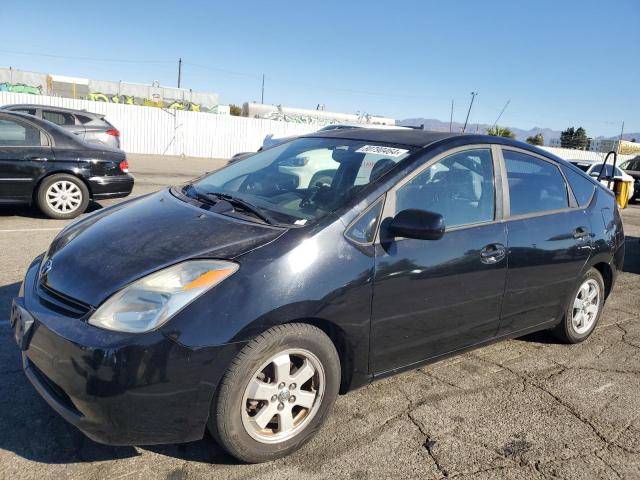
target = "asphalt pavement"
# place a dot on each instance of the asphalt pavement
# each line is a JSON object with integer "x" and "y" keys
{"x": 527, "y": 408}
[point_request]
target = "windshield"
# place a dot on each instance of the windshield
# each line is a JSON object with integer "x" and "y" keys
{"x": 304, "y": 179}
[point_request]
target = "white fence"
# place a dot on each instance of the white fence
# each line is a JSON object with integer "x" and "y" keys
{"x": 174, "y": 132}
{"x": 583, "y": 155}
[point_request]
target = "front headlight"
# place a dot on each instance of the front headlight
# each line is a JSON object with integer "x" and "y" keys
{"x": 151, "y": 301}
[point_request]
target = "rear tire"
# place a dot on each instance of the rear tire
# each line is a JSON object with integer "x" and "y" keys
{"x": 584, "y": 309}
{"x": 62, "y": 196}
{"x": 261, "y": 410}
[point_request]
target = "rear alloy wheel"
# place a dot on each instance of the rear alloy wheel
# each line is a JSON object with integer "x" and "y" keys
{"x": 583, "y": 312}
{"x": 276, "y": 393}
{"x": 63, "y": 196}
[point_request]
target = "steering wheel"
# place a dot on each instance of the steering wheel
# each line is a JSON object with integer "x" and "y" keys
{"x": 312, "y": 194}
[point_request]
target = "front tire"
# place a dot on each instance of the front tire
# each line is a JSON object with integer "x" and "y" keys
{"x": 62, "y": 196}
{"x": 276, "y": 394}
{"x": 584, "y": 309}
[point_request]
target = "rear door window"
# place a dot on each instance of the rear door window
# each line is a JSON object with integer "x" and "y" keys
{"x": 14, "y": 134}
{"x": 59, "y": 118}
{"x": 535, "y": 185}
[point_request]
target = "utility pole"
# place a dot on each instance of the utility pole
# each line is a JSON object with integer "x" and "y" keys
{"x": 179, "y": 70}
{"x": 501, "y": 112}
{"x": 262, "y": 96}
{"x": 620, "y": 140}
{"x": 451, "y": 117}
{"x": 473, "y": 96}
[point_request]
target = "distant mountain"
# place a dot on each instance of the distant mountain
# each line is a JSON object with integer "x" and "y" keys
{"x": 438, "y": 126}
{"x": 548, "y": 133}
{"x": 627, "y": 136}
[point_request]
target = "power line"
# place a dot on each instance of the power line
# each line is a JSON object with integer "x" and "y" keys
{"x": 314, "y": 86}
{"x": 90, "y": 59}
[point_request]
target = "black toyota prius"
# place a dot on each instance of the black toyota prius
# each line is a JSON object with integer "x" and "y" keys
{"x": 245, "y": 301}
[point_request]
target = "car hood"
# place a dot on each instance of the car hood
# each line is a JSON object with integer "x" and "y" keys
{"x": 97, "y": 256}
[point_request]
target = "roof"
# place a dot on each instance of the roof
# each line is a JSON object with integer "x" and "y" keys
{"x": 16, "y": 106}
{"x": 410, "y": 137}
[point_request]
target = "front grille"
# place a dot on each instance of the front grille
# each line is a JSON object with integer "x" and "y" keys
{"x": 61, "y": 303}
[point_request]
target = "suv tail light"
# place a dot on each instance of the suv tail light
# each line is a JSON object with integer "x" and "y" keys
{"x": 113, "y": 132}
{"x": 124, "y": 166}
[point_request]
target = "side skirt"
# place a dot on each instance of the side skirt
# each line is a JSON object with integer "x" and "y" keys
{"x": 484, "y": 343}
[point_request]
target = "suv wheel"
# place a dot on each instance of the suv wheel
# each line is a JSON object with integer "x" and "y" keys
{"x": 62, "y": 196}
{"x": 276, "y": 393}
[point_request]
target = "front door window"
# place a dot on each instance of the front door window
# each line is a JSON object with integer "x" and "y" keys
{"x": 459, "y": 187}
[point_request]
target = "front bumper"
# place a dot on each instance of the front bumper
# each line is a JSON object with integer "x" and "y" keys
{"x": 116, "y": 186}
{"x": 119, "y": 389}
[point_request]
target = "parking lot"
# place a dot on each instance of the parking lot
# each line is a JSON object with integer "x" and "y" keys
{"x": 526, "y": 408}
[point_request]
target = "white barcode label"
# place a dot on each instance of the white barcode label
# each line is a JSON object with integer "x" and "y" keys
{"x": 380, "y": 150}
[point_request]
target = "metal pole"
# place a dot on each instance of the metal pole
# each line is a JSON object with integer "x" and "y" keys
{"x": 620, "y": 140}
{"x": 451, "y": 117}
{"x": 262, "y": 96}
{"x": 473, "y": 96}
{"x": 179, "y": 71}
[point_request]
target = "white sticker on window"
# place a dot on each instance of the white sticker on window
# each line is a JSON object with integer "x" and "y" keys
{"x": 302, "y": 221}
{"x": 380, "y": 150}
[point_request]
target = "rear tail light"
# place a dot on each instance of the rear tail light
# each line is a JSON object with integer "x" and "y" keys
{"x": 113, "y": 132}
{"x": 124, "y": 166}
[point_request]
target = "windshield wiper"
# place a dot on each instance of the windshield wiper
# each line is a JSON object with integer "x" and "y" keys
{"x": 238, "y": 202}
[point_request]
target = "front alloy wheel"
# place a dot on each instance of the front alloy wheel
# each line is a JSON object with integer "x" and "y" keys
{"x": 276, "y": 393}
{"x": 283, "y": 396}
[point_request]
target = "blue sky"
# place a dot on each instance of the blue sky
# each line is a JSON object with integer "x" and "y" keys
{"x": 560, "y": 63}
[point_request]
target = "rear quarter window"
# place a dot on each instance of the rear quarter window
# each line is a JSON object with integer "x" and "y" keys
{"x": 582, "y": 187}
{"x": 84, "y": 119}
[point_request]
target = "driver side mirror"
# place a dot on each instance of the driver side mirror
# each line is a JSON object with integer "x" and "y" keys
{"x": 418, "y": 224}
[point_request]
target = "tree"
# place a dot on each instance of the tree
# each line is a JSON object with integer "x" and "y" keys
{"x": 500, "y": 132}
{"x": 575, "y": 138}
{"x": 537, "y": 139}
{"x": 235, "y": 110}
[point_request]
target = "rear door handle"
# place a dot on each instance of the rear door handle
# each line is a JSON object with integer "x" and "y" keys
{"x": 580, "y": 232}
{"x": 37, "y": 159}
{"x": 493, "y": 253}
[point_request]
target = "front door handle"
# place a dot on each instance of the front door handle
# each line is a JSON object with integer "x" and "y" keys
{"x": 493, "y": 253}
{"x": 580, "y": 232}
{"x": 37, "y": 159}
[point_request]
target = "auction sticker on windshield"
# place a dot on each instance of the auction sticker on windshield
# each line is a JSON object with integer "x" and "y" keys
{"x": 380, "y": 150}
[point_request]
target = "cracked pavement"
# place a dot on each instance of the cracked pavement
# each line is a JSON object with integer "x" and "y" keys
{"x": 528, "y": 408}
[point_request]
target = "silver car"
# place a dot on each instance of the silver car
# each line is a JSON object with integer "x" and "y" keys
{"x": 90, "y": 127}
